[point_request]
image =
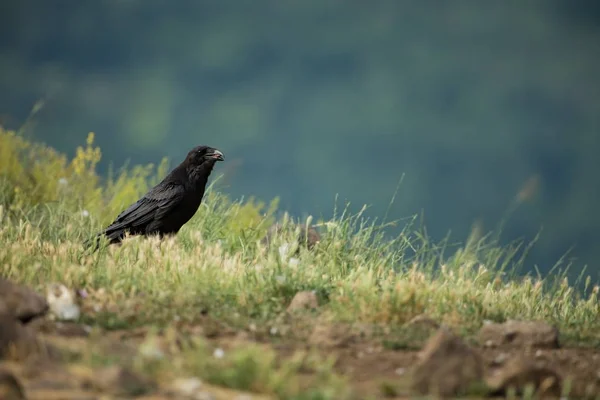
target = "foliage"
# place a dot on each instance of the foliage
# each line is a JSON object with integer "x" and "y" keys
{"x": 36, "y": 179}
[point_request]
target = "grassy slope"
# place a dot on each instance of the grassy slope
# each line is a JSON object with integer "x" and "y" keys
{"x": 216, "y": 272}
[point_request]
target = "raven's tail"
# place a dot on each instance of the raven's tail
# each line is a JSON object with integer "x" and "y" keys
{"x": 93, "y": 242}
{"x": 113, "y": 236}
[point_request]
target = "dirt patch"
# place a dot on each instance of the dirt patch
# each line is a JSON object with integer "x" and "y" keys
{"x": 371, "y": 367}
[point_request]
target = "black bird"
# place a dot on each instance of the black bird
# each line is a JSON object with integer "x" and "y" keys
{"x": 170, "y": 204}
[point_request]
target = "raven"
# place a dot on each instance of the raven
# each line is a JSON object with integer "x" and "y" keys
{"x": 170, "y": 204}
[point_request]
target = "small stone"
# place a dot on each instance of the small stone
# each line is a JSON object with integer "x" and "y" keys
{"x": 303, "y": 300}
{"x": 219, "y": 353}
{"x": 187, "y": 386}
{"x": 500, "y": 359}
{"x": 539, "y": 353}
{"x": 447, "y": 366}
{"x": 400, "y": 371}
{"x": 62, "y": 302}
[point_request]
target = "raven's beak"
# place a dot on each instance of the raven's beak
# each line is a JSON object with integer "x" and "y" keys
{"x": 217, "y": 155}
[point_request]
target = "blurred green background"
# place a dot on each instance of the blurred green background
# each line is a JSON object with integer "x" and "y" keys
{"x": 483, "y": 106}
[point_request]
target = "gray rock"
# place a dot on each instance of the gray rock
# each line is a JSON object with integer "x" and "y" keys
{"x": 533, "y": 334}
{"x": 22, "y": 302}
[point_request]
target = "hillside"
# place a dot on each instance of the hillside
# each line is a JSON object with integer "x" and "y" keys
{"x": 218, "y": 313}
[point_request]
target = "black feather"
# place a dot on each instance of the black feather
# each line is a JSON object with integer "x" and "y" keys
{"x": 170, "y": 204}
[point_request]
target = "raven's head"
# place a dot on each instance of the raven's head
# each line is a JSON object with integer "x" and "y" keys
{"x": 203, "y": 154}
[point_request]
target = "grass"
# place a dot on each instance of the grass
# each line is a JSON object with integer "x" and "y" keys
{"x": 217, "y": 273}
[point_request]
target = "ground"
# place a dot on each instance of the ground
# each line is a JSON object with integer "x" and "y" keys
{"x": 338, "y": 360}
{"x": 230, "y": 308}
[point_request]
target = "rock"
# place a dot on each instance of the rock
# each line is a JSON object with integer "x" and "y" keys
{"x": 10, "y": 388}
{"x": 120, "y": 380}
{"x": 447, "y": 366}
{"x": 520, "y": 372}
{"x": 62, "y": 302}
{"x": 303, "y": 300}
{"x": 24, "y": 303}
{"x": 499, "y": 359}
{"x": 16, "y": 340}
{"x": 532, "y": 334}
{"x": 187, "y": 387}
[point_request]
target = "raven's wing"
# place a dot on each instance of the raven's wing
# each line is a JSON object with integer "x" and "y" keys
{"x": 153, "y": 206}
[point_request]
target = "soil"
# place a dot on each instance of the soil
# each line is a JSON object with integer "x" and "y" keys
{"x": 423, "y": 357}
{"x": 372, "y": 368}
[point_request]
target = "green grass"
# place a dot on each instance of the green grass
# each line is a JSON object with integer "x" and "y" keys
{"x": 357, "y": 278}
{"x": 217, "y": 268}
